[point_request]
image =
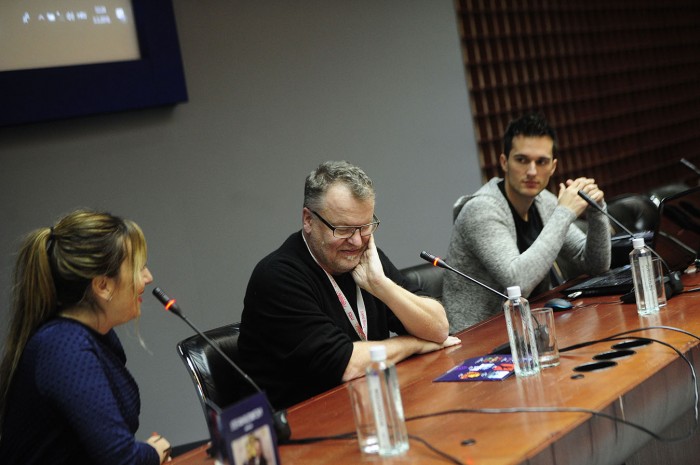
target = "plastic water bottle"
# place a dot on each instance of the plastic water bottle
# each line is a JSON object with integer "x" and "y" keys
{"x": 385, "y": 395}
{"x": 521, "y": 333}
{"x": 644, "y": 277}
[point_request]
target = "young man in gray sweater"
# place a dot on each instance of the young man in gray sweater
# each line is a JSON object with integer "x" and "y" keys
{"x": 513, "y": 232}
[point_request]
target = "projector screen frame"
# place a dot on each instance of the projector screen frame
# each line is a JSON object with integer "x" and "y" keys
{"x": 156, "y": 79}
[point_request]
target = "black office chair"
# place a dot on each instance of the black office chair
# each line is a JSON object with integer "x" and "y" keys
{"x": 658, "y": 193}
{"x": 639, "y": 214}
{"x": 636, "y": 212}
{"x": 427, "y": 276}
{"x": 213, "y": 377}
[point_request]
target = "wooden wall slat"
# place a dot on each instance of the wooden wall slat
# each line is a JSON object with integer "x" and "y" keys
{"x": 618, "y": 79}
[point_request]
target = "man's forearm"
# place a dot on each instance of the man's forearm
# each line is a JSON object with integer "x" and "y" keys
{"x": 422, "y": 317}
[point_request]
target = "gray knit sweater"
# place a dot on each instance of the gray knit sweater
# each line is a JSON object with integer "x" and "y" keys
{"x": 484, "y": 246}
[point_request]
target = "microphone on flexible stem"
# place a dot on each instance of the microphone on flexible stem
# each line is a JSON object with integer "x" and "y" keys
{"x": 439, "y": 262}
{"x": 677, "y": 242}
{"x": 674, "y": 277}
{"x": 279, "y": 417}
{"x": 595, "y": 205}
{"x": 693, "y": 168}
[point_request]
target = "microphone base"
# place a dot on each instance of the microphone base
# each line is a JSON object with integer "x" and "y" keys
{"x": 282, "y": 429}
{"x": 672, "y": 284}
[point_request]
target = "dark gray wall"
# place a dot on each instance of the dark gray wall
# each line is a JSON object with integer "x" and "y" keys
{"x": 275, "y": 88}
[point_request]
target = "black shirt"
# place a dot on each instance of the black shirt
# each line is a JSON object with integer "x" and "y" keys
{"x": 296, "y": 339}
{"x": 527, "y": 233}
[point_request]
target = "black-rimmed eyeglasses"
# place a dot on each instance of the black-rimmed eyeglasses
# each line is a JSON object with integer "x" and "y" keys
{"x": 346, "y": 232}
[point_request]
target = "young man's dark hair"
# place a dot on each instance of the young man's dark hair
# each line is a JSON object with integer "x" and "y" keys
{"x": 529, "y": 125}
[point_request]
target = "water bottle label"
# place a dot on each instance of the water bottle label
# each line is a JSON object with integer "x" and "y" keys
{"x": 376, "y": 397}
{"x": 646, "y": 274}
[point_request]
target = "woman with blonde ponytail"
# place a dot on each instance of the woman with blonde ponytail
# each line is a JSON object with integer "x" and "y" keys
{"x": 66, "y": 396}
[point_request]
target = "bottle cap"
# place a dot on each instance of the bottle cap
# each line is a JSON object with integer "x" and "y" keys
{"x": 377, "y": 353}
{"x": 514, "y": 292}
{"x": 638, "y": 242}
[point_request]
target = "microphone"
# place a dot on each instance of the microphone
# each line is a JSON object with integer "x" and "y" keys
{"x": 674, "y": 284}
{"x": 688, "y": 164}
{"x": 677, "y": 242}
{"x": 279, "y": 417}
{"x": 595, "y": 205}
{"x": 541, "y": 332}
{"x": 439, "y": 262}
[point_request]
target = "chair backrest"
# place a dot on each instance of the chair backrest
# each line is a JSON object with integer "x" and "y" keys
{"x": 426, "y": 276}
{"x": 658, "y": 193}
{"x": 212, "y": 376}
{"x": 637, "y": 212}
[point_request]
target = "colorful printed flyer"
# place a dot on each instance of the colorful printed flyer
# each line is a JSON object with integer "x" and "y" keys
{"x": 484, "y": 368}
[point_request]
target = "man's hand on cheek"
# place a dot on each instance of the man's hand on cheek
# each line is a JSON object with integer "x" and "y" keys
{"x": 369, "y": 271}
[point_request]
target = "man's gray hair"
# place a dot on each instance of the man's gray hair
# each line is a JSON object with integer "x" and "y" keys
{"x": 330, "y": 172}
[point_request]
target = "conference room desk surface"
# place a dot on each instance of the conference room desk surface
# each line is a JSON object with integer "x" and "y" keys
{"x": 652, "y": 387}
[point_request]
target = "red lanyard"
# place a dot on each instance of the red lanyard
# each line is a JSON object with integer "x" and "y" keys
{"x": 361, "y": 327}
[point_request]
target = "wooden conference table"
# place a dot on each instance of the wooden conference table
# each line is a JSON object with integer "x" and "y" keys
{"x": 653, "y": 388}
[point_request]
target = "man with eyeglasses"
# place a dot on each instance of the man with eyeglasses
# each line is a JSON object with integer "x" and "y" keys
{"x": 513, "y": 232}
{"x": 315, "y": 306}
